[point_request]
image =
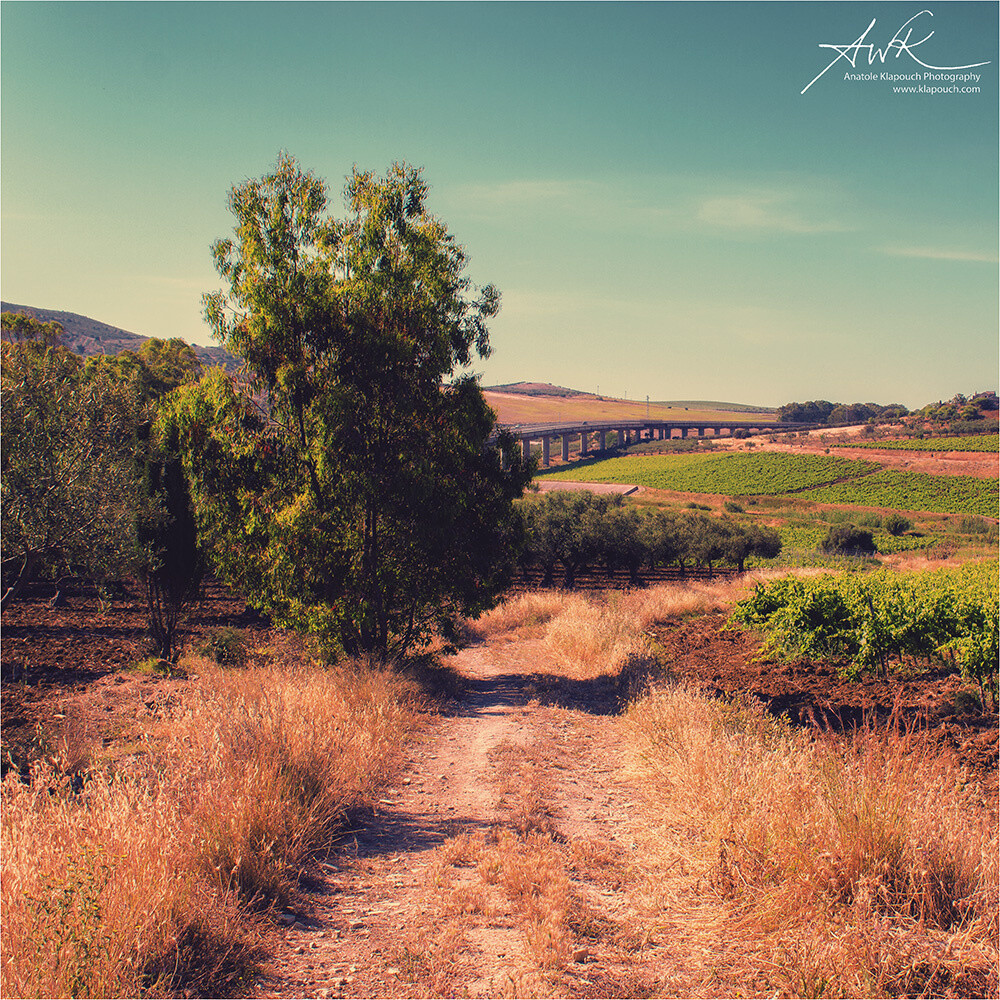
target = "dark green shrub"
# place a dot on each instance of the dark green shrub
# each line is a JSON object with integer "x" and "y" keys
{"x": 896, "y": 524}
{"x": 848, "y": 540}
{"x": 974, "y": 525}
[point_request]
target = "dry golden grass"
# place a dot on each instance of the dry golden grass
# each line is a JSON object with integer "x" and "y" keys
{"x": 851, "y": 868}
{"x": 282, "y": 754}
{"x": 604, "y": 635}
{"x": 515, "y": 408}
{"x": 525, "y": 611}
{"x": 590, "y": 635}
{"x": 142, "y": 882}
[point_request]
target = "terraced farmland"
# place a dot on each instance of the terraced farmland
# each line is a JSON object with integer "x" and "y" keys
{"x": 735, "y": 474}
{"x": 913, "y": 491}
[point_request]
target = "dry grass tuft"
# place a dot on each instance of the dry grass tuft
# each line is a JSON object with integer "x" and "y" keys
{"x": 282, "y": 755}
{"x": 859, "y": 864}
{"x": 140, "y": 883}
{"x": 595, "y": 636}
{"x": 525, "y": 611}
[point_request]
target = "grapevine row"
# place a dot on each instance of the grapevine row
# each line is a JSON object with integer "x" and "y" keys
{"x": 872, "y": 621}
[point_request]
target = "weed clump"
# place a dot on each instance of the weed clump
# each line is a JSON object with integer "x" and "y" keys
{"x": 140, "y": 883}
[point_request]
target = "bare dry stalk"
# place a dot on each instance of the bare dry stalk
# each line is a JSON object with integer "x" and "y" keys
{"x": 141, "y": 882}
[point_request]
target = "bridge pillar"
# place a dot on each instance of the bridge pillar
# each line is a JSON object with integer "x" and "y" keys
{"x": 526, "y": 448}
{"x": 622, "y": 437}
{"x": 584, "y": 450}
{"x": 659, "y": 433}
{"x": 545, "y": 450}
{"x": 701, "y": 432}
{"x": 565, "y": 447}
{"x": 601, "y": 439}
{"x": 684, "y": 432}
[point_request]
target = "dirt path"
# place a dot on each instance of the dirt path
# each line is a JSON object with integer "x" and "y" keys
{"x": 502, "y": 862}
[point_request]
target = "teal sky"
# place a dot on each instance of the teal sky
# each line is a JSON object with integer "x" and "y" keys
{"x": 663, "y": 210}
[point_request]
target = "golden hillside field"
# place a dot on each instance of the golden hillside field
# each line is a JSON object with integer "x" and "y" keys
{"x": 514, "y": 408}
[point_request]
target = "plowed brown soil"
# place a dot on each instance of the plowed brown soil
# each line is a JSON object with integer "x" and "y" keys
{"x": 68, "y": 683}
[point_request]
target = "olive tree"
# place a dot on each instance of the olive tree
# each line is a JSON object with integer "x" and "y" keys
{"x": 69, "y": 485}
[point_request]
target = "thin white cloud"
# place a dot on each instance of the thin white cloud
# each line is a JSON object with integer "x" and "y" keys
{"x": 765, "y": 211}
{"x": 941, "y": 253}
{"x": 669, "y": 203}
{"x": 721, "y": 323}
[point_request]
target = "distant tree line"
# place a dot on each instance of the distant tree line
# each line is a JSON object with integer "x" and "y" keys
{"x": 959, "y": 412}
{"x": 822, "y": 411}
{"x": 962, "y": 414}
{"x": 574, "y": 531}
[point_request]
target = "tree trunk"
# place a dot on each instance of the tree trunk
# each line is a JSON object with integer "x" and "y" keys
{"x": 24, "y": 576}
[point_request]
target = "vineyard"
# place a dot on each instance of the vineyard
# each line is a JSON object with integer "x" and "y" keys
{"x": 884, "y": 621}
{"x": 735, "y": 474}
{"x": 820, "y": 478}
{"x": 913, "y": 491}
{"x": 979, "y": 443}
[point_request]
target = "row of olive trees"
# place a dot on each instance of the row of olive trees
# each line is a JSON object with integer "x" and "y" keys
{"x": 85, "y": 486}
{"x": 576, "y": 530}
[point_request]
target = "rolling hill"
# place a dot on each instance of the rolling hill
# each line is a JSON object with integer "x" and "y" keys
{"x": 540, "y": 402}
{"x": 87, "y": 336}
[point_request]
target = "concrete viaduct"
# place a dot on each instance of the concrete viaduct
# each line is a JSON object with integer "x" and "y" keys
{"x": 630, "y": 431}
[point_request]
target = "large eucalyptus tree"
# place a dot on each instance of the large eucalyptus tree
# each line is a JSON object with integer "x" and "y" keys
{"x": 365, "y": 499}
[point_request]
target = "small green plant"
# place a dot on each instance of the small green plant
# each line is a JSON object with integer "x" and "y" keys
{"x": 68, "y": 926}
{"x": 226, "y": 646}
{"x": 733, "y": 507}
{"x": 973, "y": 525}
{"x": 154, "y": 666}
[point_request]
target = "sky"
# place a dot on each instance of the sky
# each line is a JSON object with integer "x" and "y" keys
{"x": 664, "y": 210}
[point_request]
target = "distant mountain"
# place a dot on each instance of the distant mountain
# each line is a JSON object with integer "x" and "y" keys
{"x": 709, "y": 404}
{"x": 87, "y": 336}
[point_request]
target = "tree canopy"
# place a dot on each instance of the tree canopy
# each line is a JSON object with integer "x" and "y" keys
{"x": 354, "y": 485}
